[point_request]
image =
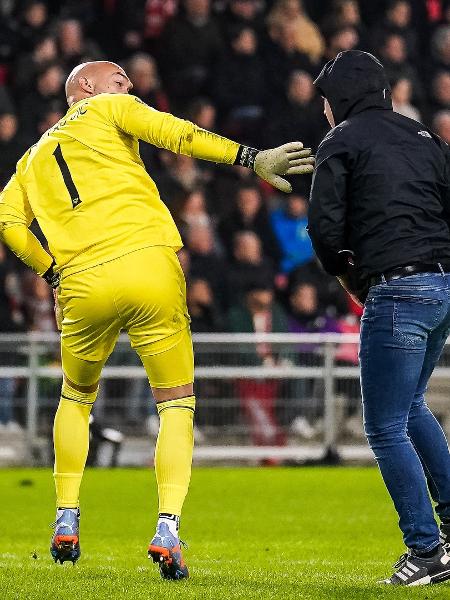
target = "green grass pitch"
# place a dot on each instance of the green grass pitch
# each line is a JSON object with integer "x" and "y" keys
{"x": 270, "y": 533}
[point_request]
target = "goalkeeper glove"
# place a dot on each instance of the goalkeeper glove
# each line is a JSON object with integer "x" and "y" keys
{"x": 51, "y": 277}
{"x": 289, "y": 159}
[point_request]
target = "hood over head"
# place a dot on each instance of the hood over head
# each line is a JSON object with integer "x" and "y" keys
{"x": 352, "y": 82}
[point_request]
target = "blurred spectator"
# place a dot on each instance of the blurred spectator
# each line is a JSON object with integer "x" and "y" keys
{"x": 248, "y": 266}
{"x": 28, "y": 65}
{"x": 281, "y": 59}
{"x": 250, "y": 214}
{"x": 49, "y": 88}
{"x": 341, "y": 39}
{"x": 157, "y": 14}
{"x": 333, "y": 300}
{"x": 192, "y": 45}
{"x": 305, "y": 312}
{"x": 290, "y": 223}
{"x": 205, "y": 315}
{"x": 33, "y": 23}
{"x": 11, "y": 147}
{"x": 193, "y": 211}
{"x": 240, "y": 87}
{"x": 397, "y": 21}
{"x": 205, "y": 262}
{"x": 180, "y": 174}
{"x": 39, "y": 305}
{"x": 395, "y": 60}
{"x": 260, "y": 314}
{"x": 203, "y": 113}
{"x": 346, "y": 13}
{"x": 74, "y": 48}
{"x": 440, "y": 48}
{"x": 307, "y": 37}
{"x": 143, "y": 73}
{"x": 401, "y": 99}
{"x": 441, "y": 125}
{"x": 440, "y": 88}
{"x": 301, "y": 118}
{"x": 242, "y": 13}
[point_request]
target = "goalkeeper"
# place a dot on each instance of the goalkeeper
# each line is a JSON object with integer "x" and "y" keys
{"x": 113, "y": 265}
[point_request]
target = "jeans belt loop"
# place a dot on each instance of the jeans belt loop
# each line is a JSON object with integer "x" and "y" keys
{"x": 383, "y": 278}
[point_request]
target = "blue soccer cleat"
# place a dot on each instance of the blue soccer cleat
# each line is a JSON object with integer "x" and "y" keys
{"x": 65, "y": 544}
{"x": 165, "y": 550}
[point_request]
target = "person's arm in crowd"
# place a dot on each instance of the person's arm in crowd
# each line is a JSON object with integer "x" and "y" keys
{"x": 183, "y": 137}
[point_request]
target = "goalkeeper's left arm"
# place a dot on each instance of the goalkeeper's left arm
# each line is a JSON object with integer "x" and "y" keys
{"x": 16, "y": 216}
{"x": 183, "y": 137}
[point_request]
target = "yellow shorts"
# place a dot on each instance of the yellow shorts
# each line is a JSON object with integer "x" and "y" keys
{"x": 143, "y": 292}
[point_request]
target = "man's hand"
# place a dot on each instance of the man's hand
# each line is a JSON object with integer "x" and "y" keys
{"x": 289, "y": 159}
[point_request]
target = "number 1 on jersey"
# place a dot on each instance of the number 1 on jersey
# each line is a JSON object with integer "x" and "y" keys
{"x": 68, "y": 181}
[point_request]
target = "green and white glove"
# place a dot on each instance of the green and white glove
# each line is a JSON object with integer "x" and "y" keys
{"x": 289, "y": 159}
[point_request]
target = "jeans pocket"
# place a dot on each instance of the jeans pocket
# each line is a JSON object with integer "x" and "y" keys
{"x": 414, "y": 317}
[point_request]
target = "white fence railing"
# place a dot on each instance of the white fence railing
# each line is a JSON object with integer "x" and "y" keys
{"x": 235, "y": 416}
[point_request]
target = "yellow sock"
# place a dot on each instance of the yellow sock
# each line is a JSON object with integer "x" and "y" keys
{"x": 71, "y": 440}
{"x": 173, "y": 453}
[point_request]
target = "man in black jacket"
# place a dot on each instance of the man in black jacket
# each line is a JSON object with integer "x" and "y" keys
{"x": 379, "y": 220}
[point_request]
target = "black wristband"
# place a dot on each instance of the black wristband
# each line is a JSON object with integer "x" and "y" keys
{"x": 246, "y": 156}
{"x": 51, "y": 277}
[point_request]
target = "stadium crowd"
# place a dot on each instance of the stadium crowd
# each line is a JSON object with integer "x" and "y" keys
{"x": 244, "y": 68}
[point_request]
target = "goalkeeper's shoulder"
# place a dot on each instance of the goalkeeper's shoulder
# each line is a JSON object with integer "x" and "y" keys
{"x": 121, "y": 102}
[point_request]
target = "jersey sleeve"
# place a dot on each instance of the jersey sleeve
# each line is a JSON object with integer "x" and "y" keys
{"x": 136, "y": 118}
{"x": 14, "y": 205}
{"x": 16, "y": 216}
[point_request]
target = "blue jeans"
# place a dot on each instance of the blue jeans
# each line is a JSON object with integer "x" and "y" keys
{"x": 403, "y": 331}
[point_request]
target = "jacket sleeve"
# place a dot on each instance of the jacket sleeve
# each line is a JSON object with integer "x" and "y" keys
{"x": 328, "y": 204}
{"x": 166, "y": 131}
{"x": 445, "y": 187}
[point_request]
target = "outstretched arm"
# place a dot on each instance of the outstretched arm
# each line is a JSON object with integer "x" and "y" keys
{"x": 183, "y": 137}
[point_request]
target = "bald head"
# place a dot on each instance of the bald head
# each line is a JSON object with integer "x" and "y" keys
{"x": 92, "y": 78}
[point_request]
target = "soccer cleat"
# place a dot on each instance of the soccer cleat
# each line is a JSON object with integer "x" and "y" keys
{"x": 165, "y": 550}
{"x": 413, "y": 569}
{"x": 65, "y": 544}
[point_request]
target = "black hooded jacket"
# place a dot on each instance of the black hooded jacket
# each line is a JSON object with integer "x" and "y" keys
{"x": 381, "y": 184}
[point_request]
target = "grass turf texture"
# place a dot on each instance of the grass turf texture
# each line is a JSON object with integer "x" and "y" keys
{"x": 273, "y": 533}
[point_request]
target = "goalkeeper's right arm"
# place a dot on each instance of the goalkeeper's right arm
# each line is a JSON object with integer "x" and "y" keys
{"x": 183, "y": 137}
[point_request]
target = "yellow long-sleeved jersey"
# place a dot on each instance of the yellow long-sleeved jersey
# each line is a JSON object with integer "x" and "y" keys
{"x": 86, "y": 185}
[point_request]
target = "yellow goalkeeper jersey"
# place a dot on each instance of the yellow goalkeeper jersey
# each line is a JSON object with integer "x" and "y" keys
{"x": 87, "y": 186}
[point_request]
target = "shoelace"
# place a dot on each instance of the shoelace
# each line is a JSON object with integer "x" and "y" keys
{"x": 401, "y": 561}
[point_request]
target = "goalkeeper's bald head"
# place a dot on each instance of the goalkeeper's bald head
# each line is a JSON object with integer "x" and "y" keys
{"x": 97, "y": 77}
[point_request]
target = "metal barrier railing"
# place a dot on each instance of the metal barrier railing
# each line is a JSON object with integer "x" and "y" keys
{"x": 229, "y": 359}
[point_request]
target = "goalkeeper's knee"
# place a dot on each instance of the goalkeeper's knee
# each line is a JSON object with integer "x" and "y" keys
{"x": 85, "y": 398}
